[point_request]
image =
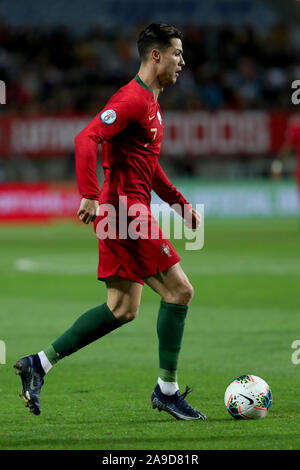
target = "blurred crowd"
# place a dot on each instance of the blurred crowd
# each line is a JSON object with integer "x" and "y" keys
{"x": 54, "y": 70}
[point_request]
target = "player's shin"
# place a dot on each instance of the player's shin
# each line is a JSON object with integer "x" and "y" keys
{"x": 89, "y": 327}
{"x": 170, "y": 327}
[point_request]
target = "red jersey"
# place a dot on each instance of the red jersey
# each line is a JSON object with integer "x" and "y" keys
{"x": 130, "y": 129}
{"x": 293, "y": 138}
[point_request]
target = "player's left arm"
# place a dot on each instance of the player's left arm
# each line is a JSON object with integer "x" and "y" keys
{"x": 170, "y": 194}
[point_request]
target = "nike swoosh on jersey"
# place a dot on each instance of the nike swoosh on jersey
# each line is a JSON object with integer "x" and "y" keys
{"x": 151, "y": 117}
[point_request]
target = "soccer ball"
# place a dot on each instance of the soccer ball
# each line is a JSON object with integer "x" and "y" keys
{"x": 248, "y": 397}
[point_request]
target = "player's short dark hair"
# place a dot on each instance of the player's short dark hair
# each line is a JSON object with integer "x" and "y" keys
{"x": 156, "y": 35}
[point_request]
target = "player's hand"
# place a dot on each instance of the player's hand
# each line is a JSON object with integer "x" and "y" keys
{"x": 87, "y": 211}
{"x": 192, "y": 218}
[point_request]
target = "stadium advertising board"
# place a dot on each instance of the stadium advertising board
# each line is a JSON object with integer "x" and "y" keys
{"x": 193, "y": 133}
{"x": 44, "y": 201}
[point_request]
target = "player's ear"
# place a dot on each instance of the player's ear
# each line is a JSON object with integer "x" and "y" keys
{"x": 155, "y": 55}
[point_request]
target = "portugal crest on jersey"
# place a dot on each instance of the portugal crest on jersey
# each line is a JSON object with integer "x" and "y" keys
{"x": 165, "y": 250}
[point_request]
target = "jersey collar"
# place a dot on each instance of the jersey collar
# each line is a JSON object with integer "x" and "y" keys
{"x": 143, "y": 85}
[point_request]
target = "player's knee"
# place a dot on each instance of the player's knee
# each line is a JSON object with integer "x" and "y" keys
{"x": 186, "y": 293}
{"x": 127, "y": 315}
{"x": 182, "y": 295}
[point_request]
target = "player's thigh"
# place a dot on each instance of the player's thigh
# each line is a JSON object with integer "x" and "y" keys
{"x": 123, "y": 297}
{"x": 172, "y": 285}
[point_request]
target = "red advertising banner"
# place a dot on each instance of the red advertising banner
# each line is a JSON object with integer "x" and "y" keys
{"x": 193, "y": 133}
{"x": 41, "y": 136}
{"x": 41, "y": 201}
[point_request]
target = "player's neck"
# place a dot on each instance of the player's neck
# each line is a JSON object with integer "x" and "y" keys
{"x": 151, "y": 80}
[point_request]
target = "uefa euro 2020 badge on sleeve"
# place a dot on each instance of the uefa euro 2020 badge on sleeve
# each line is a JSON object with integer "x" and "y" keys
{"x": 108, "y": 116}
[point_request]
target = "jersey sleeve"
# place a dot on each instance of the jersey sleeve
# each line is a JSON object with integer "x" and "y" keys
{"x": 120, "y": 111}
{"x": 166, "y": 190}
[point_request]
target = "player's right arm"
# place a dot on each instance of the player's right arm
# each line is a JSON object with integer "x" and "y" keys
{"x": 120, "y": 111}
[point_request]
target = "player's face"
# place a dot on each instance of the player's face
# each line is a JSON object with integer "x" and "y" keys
{"x": 171, "y": 63}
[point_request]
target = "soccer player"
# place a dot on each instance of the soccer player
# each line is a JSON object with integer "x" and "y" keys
{"x": 291, "y": 141}
{"x": 130, "y": 130}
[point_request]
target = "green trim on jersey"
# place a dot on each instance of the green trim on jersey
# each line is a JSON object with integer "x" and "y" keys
{"x": 143, "y": 85}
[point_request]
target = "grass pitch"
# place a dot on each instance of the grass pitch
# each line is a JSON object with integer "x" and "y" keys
{"x": 243, "y": 319}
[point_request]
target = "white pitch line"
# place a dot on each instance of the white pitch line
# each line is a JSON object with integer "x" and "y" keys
{"x": 65, "y": 266}
{"x": 270, "y": 269}
{"x": 29, "y": 265}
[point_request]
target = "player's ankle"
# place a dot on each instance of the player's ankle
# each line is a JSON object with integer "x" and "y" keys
{"x": 48, "y": 357}
{"x": 167, "y": 388}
